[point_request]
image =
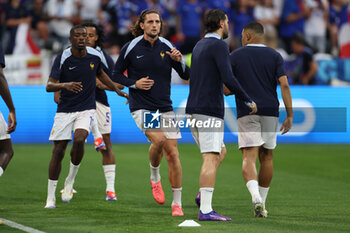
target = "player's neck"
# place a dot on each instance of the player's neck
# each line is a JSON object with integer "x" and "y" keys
{"x": 78, "y": 52}
{"x": 219, "y": 32}
{"x": 151, "y": 40}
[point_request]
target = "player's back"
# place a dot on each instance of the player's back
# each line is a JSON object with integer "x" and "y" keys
{"x": 257, "y": 69}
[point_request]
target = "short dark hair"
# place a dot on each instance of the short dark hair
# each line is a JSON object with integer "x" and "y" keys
{"x": 71, "y": 32}
{"x": 299, "y": 38}
{"x": 213, "y": 18}
{"x": 99, "y": 32}
{"x": 137, "y": 30}
{"x": 255, "y": 27}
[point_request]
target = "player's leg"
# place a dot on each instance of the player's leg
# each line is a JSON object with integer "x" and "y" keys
{"x": 158, "y": 140}
{"x": 108, "y": 164}
{"x": 54, "y": 171}
{"x": 265, "y": 172}
{"x": 98, "y": 139}
{"x": 175, "y": 175}
{"x": 6, "y": 154}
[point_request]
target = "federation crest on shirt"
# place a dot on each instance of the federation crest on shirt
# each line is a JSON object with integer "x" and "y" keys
{"x": 92, "y": 65}
{"x": 162, "y": 55}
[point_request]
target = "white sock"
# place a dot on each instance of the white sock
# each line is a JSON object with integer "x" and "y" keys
{"x": 94, "y": 129}
{"x": 1, "y": 171}
{"x": 73, "y": 170}
{"x": 263, "y": 193}
{"x": 176, "y": 196}
{"x": 109, "y": 171}
{"x": 253, "y": 188}
{"x": 206, "y": 197}
{"x": 155, "y": 176}
{"x": 51, "y": 189}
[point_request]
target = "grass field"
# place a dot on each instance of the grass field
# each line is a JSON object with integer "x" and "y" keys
{"x": 310, "y": 192}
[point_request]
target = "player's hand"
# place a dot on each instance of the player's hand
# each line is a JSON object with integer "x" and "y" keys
{"x": 175, "y": 54}
{"x": 123, "y": 94}
{"x": 12, "y": 122}
{"x": 253, "y": 107}
{"x": 227, "y": 92}
{"x": 75, "y": 87}
{"x": 286, "y": 125}
{"x": 144, "y": 83}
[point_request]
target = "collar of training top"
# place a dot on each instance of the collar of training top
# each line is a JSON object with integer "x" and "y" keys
{"x": 212, "y": 35}
{"x": 257, "y": 45}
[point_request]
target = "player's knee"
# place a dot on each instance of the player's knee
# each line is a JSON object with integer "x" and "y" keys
{"x": 79, "y": 139}
{"x": 159, "y": 141}
{"x": 172, "y": 156}
{"x": 58, "y": 152}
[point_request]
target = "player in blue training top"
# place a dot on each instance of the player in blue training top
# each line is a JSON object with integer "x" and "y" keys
{"x": 149, "y": 60}
{"x": 258, "y": 69}
{"x": 6, "y": 151}
{"x": 210, "y": 70}
{"x": 74, "y": 73}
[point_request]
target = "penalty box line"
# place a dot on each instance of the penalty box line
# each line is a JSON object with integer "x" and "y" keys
{"x": 20, "y": 226}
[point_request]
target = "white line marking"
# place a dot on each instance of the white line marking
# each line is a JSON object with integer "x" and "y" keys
{"x": 20, "y": 227}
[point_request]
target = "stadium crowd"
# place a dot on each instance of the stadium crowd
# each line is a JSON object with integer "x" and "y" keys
{"x": 299, "y": 27}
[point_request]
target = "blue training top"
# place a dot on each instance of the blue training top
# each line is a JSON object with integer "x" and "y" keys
{"x": 67, "y": 68}
{"x": 210, "y": 70}
{"x": 2, "y": 57}
{"x": 101, "y": 96}
{"x": 140, "y": 59}
{"x": 258, "y": 69}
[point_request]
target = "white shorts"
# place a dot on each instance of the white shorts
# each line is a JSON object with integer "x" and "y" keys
{"x": 66, "y": 123}
{"x": 170, "y": 133}
{"x": 255, "y": 130}
{"x": 104, "y": 118}
{"x": 3, "y": 129}
{"x": 208, "y": 140}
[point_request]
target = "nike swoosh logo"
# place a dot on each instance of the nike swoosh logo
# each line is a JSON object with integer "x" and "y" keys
{"x": 72, "y": 68}
{"x": 139, "y": 56}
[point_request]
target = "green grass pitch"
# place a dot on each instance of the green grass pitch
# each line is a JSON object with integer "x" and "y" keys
{"x": 309, "y": 193}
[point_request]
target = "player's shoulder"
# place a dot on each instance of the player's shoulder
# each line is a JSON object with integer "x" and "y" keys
{"x": 128, "y": 47}
{"x": 166, "y": 42}
{"x": 94, "y": 52}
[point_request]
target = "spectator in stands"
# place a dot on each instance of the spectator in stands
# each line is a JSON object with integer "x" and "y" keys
{"x": 316, "y": 24}
{"x": 265, "y": 14}
{"x": 305, "y": 68}
{"x": 337, "y": 17}
{"x": 241, "y": 14}
{"x": 39, "y": 24}
{"x": 16, "y": 14}
{"x": 219, "y": 4}
{"x": 292, "y": 21}
{"x": 188, "y": 24}
{"x": 88, "y": 10}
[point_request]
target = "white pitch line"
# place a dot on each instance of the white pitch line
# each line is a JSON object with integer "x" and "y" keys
{"x": 20, "y": 227}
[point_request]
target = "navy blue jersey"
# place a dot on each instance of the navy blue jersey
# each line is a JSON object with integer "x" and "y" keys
{"x": 258, "y": 69}
{"x": 101, "y": 96}
{"x": 140, "y": 59}
{"x": 67, "y": 68}
{"x": 2, "y": 57}
{"x": 210, "y": 69}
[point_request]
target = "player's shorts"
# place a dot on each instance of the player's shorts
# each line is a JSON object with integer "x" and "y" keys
{"x": 66, "y": 123}
{"x": 255, "y": 130}
{"x": 208, "y": 140}
{"x": 104, "y": 118}
{"x": 3, "y": 129}
{"x": 171, "y": 132}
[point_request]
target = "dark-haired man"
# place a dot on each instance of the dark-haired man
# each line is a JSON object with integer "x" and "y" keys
{"x": 149, "y": 60}
{"x": 258, "y": 69}
{"x": 211, "y": 69}
{"x": 73, "y": 73}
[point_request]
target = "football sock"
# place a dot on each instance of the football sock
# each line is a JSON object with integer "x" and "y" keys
{"x": 253, "y": 188}
{"x": 263, "y": 193}
{"x": 1, "y": 171}
{"x": 73, "y": 170}
{"x": 109, "y": 171}
{"x": 206, "y": 197}
{"x": 51, "y": 189}
{"x": 155, "y": 176}
{"x": 176, "y": 196}
{"x": 94, "y": 129}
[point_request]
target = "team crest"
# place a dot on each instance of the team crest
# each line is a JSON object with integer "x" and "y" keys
{"x": 92, "y": 65}
{"x": 162, "y": 55}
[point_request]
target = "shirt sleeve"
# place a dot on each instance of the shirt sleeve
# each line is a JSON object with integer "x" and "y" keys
{"x": 120, "y": 66}
{"x": 2, "y": 57}
{"x": 56, "y": 68}
{"x": 222, "y": 60}
{"x": 280, "y": 70}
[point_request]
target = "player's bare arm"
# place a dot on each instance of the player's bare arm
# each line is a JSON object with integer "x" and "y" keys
{"x": 175, "y": 54}
{"x": 5, "y": 93}
{"x": 227, "y": 92}
{"x": 100, "y": 85}
{"x": 144, "y": 83}
{"x": 54, "y": 85}
{"x": 103, "y": 77}
{"x": 287, "y": 100}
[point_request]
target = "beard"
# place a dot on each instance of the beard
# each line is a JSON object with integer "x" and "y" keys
{"x": 151, "y": 35}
